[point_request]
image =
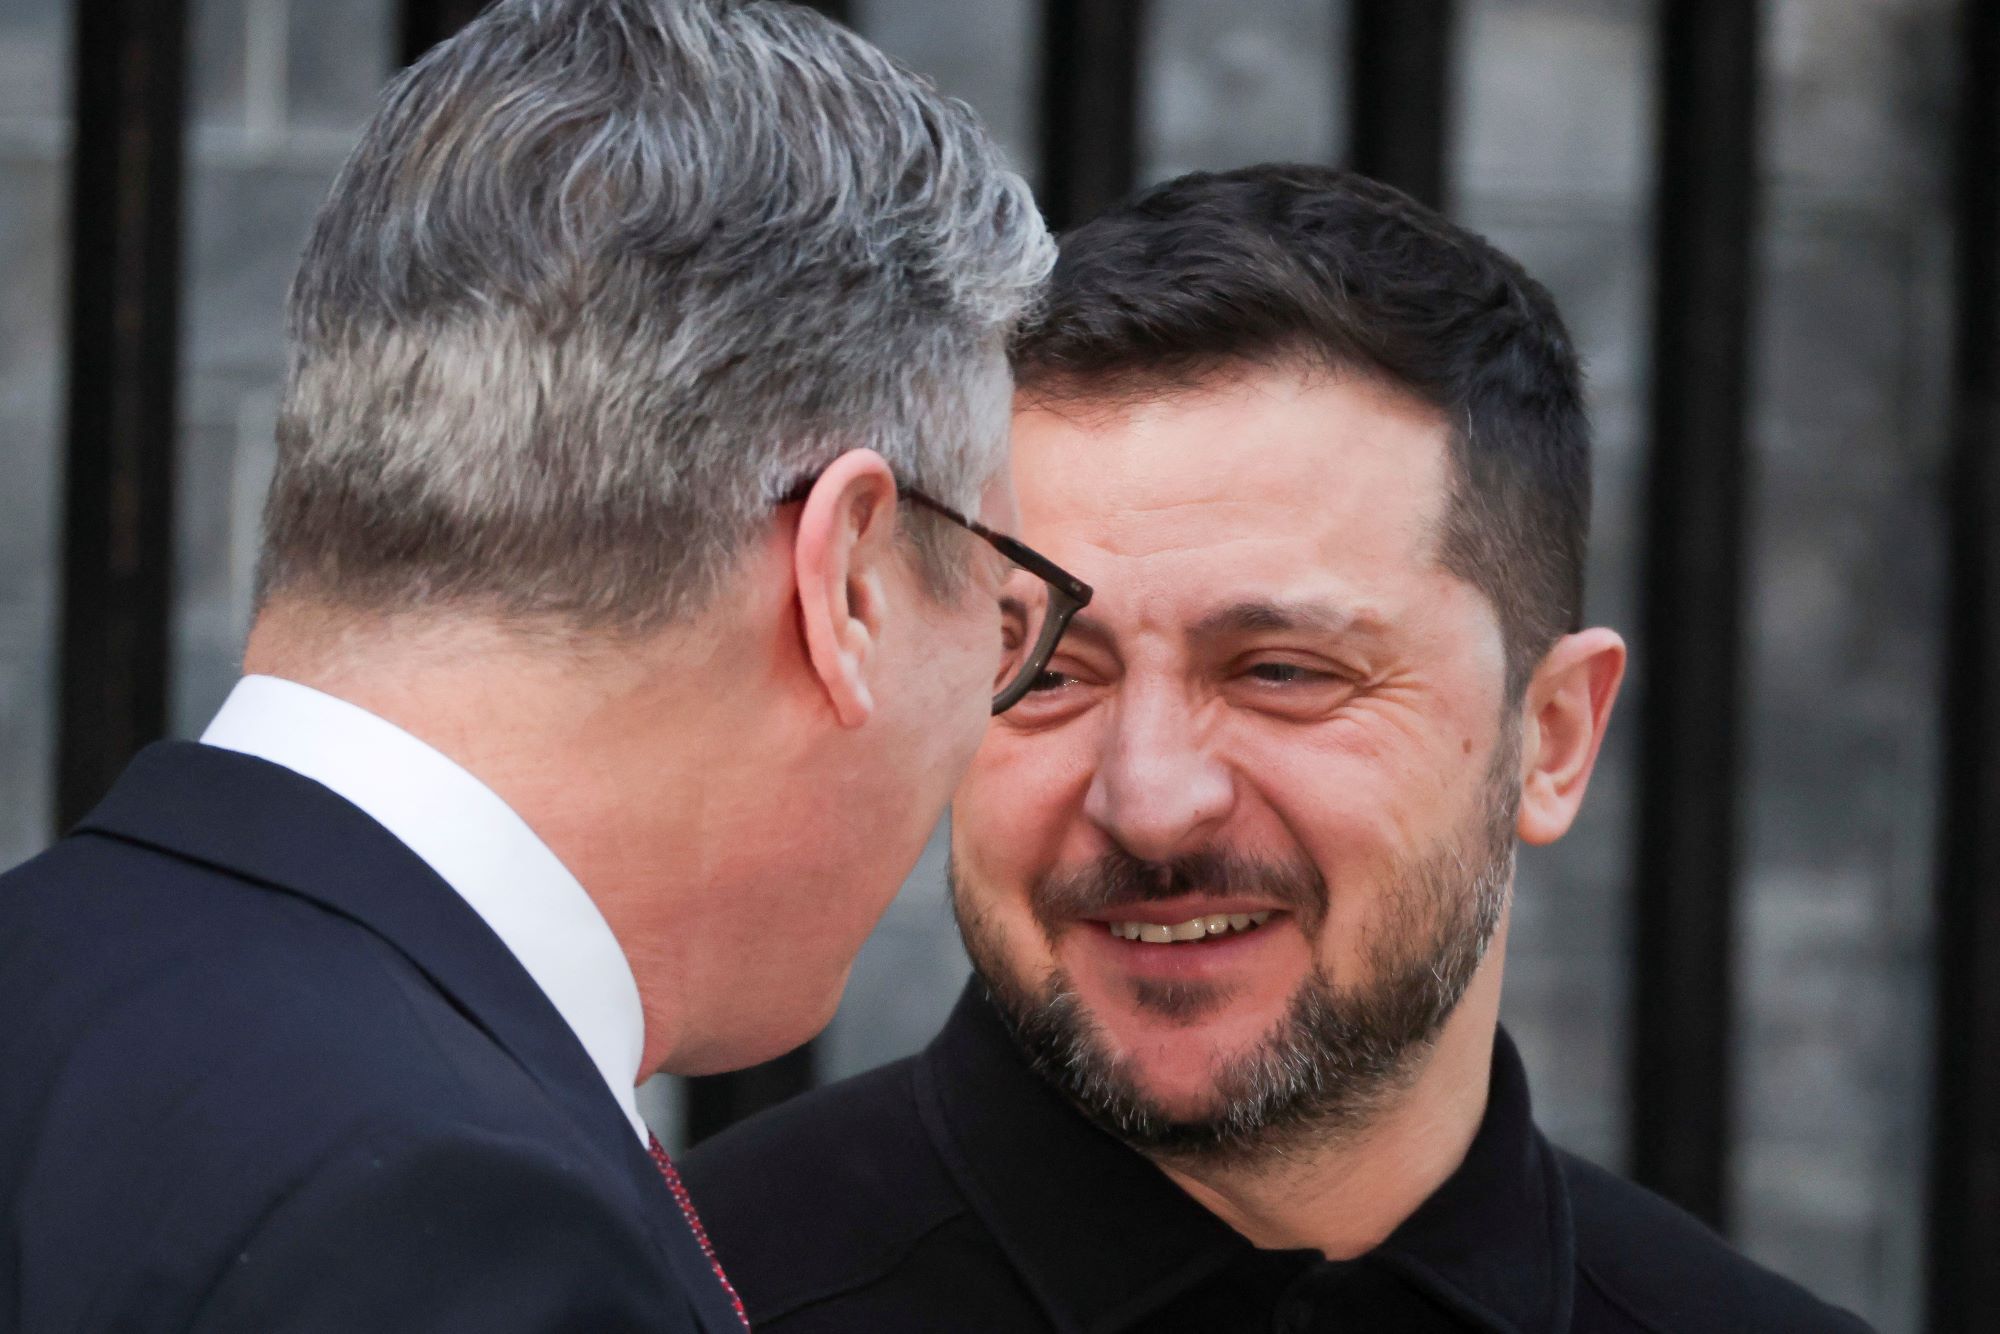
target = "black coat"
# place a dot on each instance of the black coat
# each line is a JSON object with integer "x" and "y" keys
{"x": 262, "y": 1070}
{"x": 957, "y": 1191}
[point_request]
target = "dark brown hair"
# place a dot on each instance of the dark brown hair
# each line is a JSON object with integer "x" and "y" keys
{"x": 1280, "y": 263}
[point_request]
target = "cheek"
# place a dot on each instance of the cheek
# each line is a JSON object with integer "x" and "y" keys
{"x": 1015, "y": 817}
{"x": 1338, "y": 798}
{"x": 1362, "y": 817}
{"x": 990, "y": 820}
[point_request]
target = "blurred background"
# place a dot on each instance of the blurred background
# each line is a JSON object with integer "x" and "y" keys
{"x": 1771, "y": 227}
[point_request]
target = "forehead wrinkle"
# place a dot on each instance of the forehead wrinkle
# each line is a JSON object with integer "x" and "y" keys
{"x": 1138, "y": 530}
{"x": 1200, "y": 592}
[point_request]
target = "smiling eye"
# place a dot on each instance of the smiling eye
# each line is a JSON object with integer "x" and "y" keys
{"x": 1050, "y": 679}
{"x": 1284, "y": 673}
{"x": 1301, "y": 691}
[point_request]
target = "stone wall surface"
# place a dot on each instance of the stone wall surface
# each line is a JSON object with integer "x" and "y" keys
{"x": 1553, "y": 129}
{"x": 281, "y": 88}
{"x": 1844, "y": 635}
{"x": 34, "y": 92}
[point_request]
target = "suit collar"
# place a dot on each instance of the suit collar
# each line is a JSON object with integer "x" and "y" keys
{"x": 473, "y": 840}
{"x": 1065, "y": 1200}
{"x": 266, "y": 824}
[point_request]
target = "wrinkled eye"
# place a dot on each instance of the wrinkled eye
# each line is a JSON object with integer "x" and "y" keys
{"x": 1286, "y": 688}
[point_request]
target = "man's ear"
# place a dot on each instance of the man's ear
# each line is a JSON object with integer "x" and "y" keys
{"x": 1563, "y": 719}
{"x": 840, "y": 558}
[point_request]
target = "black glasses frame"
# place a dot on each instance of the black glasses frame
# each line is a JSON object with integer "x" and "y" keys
{"x": 1068, "y": 594}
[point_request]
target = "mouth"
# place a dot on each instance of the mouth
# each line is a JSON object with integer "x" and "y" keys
{"x": 1205, "y": 922}
{"x": 1190, "y": 939}
{"x": 1199, "y": 928}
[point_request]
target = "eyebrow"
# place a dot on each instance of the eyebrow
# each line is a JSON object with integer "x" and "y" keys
{"x": 1085, "y": 626}
{"x": 1258, "y": 616}
{"x": 1250, "y": 616}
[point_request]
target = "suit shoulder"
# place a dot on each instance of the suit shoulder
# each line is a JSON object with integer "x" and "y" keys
{"x": 1660, "y": 1266}
{"x": 197, "y": 1049}
{"x": 214, "y": 1012}
{"x": 823, "y": 1194}
{"x": 188, "y": 955}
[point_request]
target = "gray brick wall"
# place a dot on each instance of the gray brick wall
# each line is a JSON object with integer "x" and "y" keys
{"x": 34, "y": 41}
{"x": 1845, "y": 622}
{"x": 280, "y": 88}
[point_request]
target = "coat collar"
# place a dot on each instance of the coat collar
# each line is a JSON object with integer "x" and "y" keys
{"x": 264, "y": 823}
{"x": 1102, "y": 1237}
{"x": 475, "y": 841}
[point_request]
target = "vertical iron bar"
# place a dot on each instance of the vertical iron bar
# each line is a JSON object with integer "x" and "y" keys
{"x": 1399, "y": 94}
{"x": 425, "y": 23}
{"x": 840, "y": 11}
{"x": 1704, "y": 214}
{"x": 125, "y": 258}
{"x": 1964, "y": 1209}
{"x": 1089, "y": 105}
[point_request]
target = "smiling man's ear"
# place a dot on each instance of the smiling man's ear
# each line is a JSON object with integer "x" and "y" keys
{"x": 840, "y": 559}
{"x": 1563, "y": 719}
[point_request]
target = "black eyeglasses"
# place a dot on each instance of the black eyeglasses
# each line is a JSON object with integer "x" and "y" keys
{"x": 1037, "y": 598}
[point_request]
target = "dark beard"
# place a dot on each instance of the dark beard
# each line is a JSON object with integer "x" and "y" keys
{"x": 1338, "y": 1053}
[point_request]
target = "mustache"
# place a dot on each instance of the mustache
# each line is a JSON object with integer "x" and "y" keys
{"x": 1118, "y": 879}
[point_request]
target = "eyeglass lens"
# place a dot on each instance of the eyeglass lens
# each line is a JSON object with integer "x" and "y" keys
{"x": 1027, "y": 630}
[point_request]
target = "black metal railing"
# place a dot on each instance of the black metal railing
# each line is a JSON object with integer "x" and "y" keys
{"x": 1398, "y": 81}
{"x": 128, "y": 94}
{"x": 422, "y": 24}
{"x": 1087, "y": 114}
{"x": 1964, "y": 1214}
{"x": 1691, "y": 598}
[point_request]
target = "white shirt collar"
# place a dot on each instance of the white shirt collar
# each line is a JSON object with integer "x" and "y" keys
{"x": 473, "y": 840}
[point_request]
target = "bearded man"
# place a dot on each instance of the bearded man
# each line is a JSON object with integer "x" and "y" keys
{"x": 1235, "y": 875}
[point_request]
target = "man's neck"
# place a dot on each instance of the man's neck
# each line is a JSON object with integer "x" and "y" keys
{"x": 608, "y": 761}
{"x": 1345, "y": 1196}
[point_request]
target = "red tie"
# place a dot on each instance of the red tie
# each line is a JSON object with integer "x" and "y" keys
{"x": 686, "y": 1202}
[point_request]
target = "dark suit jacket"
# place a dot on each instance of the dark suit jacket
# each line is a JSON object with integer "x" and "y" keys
{"x": 261, "y": 1069}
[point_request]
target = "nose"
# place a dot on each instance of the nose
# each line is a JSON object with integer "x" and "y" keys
{"x": 1159, "y": 790}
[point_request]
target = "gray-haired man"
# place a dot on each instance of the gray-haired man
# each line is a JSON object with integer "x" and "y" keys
{"x": 624, "y": 626}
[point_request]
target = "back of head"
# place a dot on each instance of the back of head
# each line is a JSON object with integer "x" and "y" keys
{"x": 603, "y": 278}
{"x": 1308, "y": 265}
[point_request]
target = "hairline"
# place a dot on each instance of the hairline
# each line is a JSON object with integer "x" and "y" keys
{"x": 1119, "y": 387}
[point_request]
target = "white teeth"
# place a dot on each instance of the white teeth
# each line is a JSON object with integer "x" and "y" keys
{"x": 1195, "y": 928}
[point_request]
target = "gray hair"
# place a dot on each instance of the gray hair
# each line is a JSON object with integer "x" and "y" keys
{"x": 604, "y": 277}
